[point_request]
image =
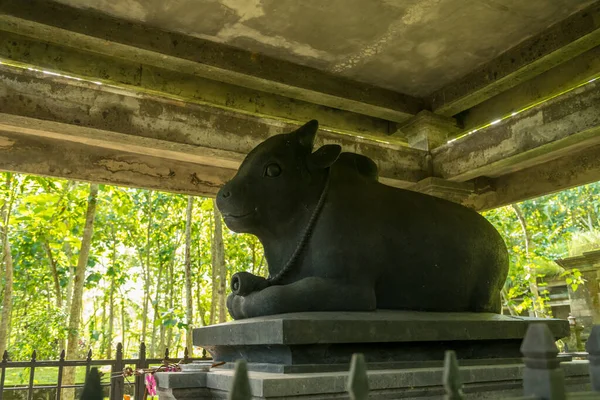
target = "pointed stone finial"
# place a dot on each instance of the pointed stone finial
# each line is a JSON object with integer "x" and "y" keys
{"x": 539, "y": 347}
{"x": 593, "y": 348}
{"x": 240, "y": 388}
{"x": 358, "y": 381}
{"x": 452, "y": 381}
{"x": 542, "y": 377}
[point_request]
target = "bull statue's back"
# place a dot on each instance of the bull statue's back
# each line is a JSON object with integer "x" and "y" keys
{"x": 336, "y": 239}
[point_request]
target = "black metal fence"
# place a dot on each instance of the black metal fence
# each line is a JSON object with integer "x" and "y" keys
{"x": 118, "y": 384}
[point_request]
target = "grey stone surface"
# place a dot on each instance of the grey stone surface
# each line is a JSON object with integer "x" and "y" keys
{"x": 412, "y": 46}
{"x": 422, "y": 383}
{"x": 369, "y": 327}
{"x": 311, "y": 342}
{"x": 183, "y": 379}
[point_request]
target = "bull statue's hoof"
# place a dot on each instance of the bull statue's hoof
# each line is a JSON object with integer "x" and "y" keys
{"x": 244, "y": 283}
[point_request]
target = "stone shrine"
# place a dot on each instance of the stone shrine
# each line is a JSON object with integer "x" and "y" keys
{"x": 334, "y": 271}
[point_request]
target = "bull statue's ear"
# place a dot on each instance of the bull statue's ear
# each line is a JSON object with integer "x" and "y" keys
{"x": 325, "y": 156}
{"x": 306, "y": 134}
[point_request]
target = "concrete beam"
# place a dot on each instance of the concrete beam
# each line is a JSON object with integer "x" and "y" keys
{"x": 48, "y": 21}
{"x": 543, "y": 133}
{"x": 559, "y": 43}
{"x": 184, "y": 86}
{"x": 543, "y": 87}
{"x": 575, "y": 169}
{"x": 100, "y": 116}
{"x": 44, "y": 156}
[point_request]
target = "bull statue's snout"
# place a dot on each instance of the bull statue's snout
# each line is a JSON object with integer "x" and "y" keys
{"x": 224, "y": 194}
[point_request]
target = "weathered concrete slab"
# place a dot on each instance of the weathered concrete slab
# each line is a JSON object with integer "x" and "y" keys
{"x": 537, "y": 54}
{"x": 498, "y": 381}
{"x": 99, "y": 33}
{"x": 410, "y": 46}
{"x": 327, "y": 340}
{"x": 549, "y": 131}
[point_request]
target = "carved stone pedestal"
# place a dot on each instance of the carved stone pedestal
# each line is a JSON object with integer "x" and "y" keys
{"x": 308, "y": 354}
{"x": 325, "y": 341}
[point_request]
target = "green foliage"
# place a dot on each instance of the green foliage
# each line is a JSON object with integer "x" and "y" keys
{"x": 559, "y": 225}
{"x": 136, "y": 259}
{"x": 135, "y": 269}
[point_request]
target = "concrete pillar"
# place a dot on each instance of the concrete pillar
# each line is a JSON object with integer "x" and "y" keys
{"x": 426, "y": 130}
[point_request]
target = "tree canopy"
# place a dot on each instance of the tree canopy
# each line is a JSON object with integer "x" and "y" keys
{"x": 158, "y": 262}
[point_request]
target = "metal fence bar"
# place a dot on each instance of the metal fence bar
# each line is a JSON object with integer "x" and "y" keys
{"x": 88, "y": 362}
{"x": 117, "y": 383}
{"x": 31, "y": 376}
{"x": 61, "y": 362}
{"x": 3, "y": 374}
{"x": 140, "y": 385}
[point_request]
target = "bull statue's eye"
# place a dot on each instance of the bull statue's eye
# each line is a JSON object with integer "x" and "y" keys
{"x": 273, "y": 170}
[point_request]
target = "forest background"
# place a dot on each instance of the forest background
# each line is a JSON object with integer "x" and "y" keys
{"x": 86, "y": 265}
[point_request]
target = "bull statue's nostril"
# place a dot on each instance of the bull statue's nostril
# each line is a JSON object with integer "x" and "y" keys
{"x": 226, "y": 194}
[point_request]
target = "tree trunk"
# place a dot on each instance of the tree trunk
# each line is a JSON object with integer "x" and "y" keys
{"x": 171, "y": 285}
{"x": 218, "y": 258}
{"x": 189, "y": 312}
{"x": 199, "y": 307}
{"x": 84, "y": 252}
{"x": 147, "y": 267}
{"x": 537, "y": 310}
{"x": 54, "y": 271}
{"x": 7, "y": 298}
{"x": 104, "y": 342}
{"x": 214, "y": 274}
{"x": 77, "y": 299}
{"x": 153, "y": 348}
{"x": 123, "y": 324}
{"x": 111, "y": 318}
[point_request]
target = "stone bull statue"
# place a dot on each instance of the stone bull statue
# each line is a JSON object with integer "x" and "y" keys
{"x": 335, "y": 239}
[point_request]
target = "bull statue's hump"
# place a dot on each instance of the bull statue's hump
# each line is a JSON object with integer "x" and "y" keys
{"x": 336, "y": 239}
{"x": 355, "y": 164}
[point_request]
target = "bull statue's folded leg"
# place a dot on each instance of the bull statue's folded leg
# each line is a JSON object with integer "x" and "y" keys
{"x": 308, "y": 294}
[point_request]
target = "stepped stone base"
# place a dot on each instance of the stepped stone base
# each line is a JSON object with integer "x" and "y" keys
{"x": 325, "y": 341}
{"x": 307, "y": 355}
{"x": 480, "y": 382}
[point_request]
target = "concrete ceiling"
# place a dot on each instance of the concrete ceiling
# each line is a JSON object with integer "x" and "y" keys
{"x": 411, "y": 46}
